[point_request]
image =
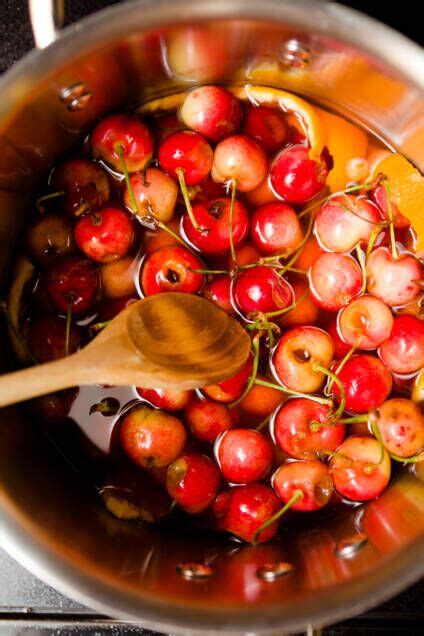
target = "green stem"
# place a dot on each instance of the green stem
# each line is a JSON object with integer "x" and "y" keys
{"x": 361, "y": 258}
{"x": 252, "y": 378}
{"x": 233, "y": 186}
{"x": 372, "y": 239}
{"x": 47, "y": 197}
{"x": 278, "y": 387}
{"x": 281, "y": 312}
{"x": 349, "y": 190}
{"x": 357, "y": 419}
{"x": 180, "y": 174}
{"x": 346, "y": 359}
{"x": 298, "y": 494}
{"x": 333, "y": 376}
{"x": 370, "y": 467}
{"x": 391, "y": 226}
{"x": 68, "y": 325}
{"x": 336, "y": 455}
{"x": 263, "y": 423}
{"x": 98, "y": 326}
{"x": 120, "y": 152}
{"x": 414, "y": 459}
{"x": 299, "y": 249}
{"x": 4, "y": 308}
{"x": 208, "y": 271}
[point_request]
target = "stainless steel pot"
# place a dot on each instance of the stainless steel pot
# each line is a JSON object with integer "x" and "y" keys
{"x": 49, "y": 520}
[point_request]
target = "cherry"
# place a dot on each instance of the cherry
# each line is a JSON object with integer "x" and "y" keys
{"x": 218, "y": 291}
{"x": 166, "y": 399}
{"x": 311, "y": 250}
{"x": 360, "y": 469}
{"x": 85, "y": 184}
{"x": 54, "y": 407}
{"x": 118, "y": 277}
{"x": 242, "y": 510}
{"x": 207, "y": 190}
{"x": 394, "y": 280}
{"x": 335, "y": 279}
{"x": 47, "y": 338}
{"x": 403, "y": 351}
{"x": 155, "y": 194}
{"x": 73, "y": 283}
{"x": 186, "y": 152}
{"x": 246, "y": 254}
{"x": 311, "y": 478}
{"x": 152, "y": 438}
{"x": 111, "y": 308}
{"x": 211, "y": 111}
{"x": 261, "y": 289}
{"x": 295, "y": 177}
{"x": 122, "y": 137}
{"x": 171, "y": 269}
{"x": 243, "y": 455}
{"x": 259, "y": 403}
{"x": 49, "y": 236}
{"x": 401, "y": 426}
{"x": 266, "y": 125}
{"x": 231, "y": 389}
{"x": 341, "y": 349}
{"x": 167, "y": 124}
{"x": 343, "y": 222}
{"x": 379, "y": 196}
{"x": 366, "y": 381}
{"x": 298, "y": 352}
{"x": 305, "y": 312}
{"x": 207, "y": 419}
{"x": 241, "y": 159}
{"x": 275, "y": 229}
{"x": 105, "y": 235}
{"x": 157, "y": 237}
{"x": 366, "y": 322}
{"x": 214, "y": 216}
{"x": 261, "y": 195}
{"x": 292, "y": 428}
{"x": 193, "y": 481}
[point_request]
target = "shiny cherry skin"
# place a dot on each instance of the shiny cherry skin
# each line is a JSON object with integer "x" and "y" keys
{"x": 73, "y": 282}
{"x": 357, "y": 472}
{"x": 218, "y": 291}
{"x": 170, "y": 269}
{"x": 379, "y": 196}
{"x": 152, "y": 438}
{"x": 275, "y": 229}
{"x": 166, "y": 399}
{"x": 366, "y": 322}
{"x": 261, "y": 289}
{"x": 241, "y": 158}
{"x": 155, "y": 192}
{"x": 305, "y": 312}
{"x": 310, "y": 477}
{"x": 366, "y": 381}
{"x": 105, "y": 235}
{"x": 243, "y": 455}
{"x": 51, "y": 235}
{"x": 211, "y": 111}
{"x": 395, "y": 281}
{"x": 193, "y": 481}
{"x": 295, "y": 177}
{"x": 340, "y": 347}
{"x": 119, "y": 277}
{"x": 267, "y": 125}
{"x": 335, "y": 279}
{"x": 295, "y": 355}
{"x": 258, "y": 404}
{"x": 214, "y": 216}
{"x": 403, "y": 351}
{"x": 242, "y": 510}
{"x": 125, "y": 132}
{"x": 401, "y": 426}
{"x": 232, "y": 388}
{"x": 47, "y": 338}
{"x": 85, "y": 184}
{"x": 188, "y": 151}
{"x": 291, "y": 430}
{"x": 207, "y": 419}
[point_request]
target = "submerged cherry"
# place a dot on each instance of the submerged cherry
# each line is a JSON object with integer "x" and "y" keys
{"x": 403, "y": 350}
{"x": 243, "y": 455}
{"x": 295, "y": 177}
{"x": 266, "y": 125}
{"x": 261, "y": 289}
{"x": 211, "y": 111}
{"x": 73, "y": 283}
{"x": 193, "y": 481}
{"x": 172, "y": 269}
{"x": 105, "y": 235}
{"x": 119, "y": 137}
{"x": 85, "y": 184}
{"x": 310, "y": 478}
{"x": 275, "y": 229}
{"x": 51, "y": 235}
{"x": 48, "y": 338}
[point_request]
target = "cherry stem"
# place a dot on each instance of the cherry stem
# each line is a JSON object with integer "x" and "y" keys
{"x": 68, "y": 324}
{"x": 183, "y": 186}
{"x": 391, "y": 226}
{"x": 281, "y": 312}
{"x": 208, "y": 271}
{"x": 47, "y": 197}
{"x": 346, "y": 359}
{"x": 297, "y": 495}
{"x": 370, "y": 467}
{"x": 346, "y": 208}
{"x": 333, "y": 376}
{"x": 349, "y": 190}
{"x": 299, "y": 249}
{"x": 263, "y": 423}
{"x": 414, "y": 459}
{"x": 336, "y": 455}
{"x": 233, "y": 187}
{"x": 361, "y": 258}
{"x": 13, "y": 328}
{"x": 171, "y": 508}
{"x": 252, "y": 378}
{"x": 165, "y": 228}
{"x": 278, "y": 387}
{"x": 357, "y": 419}
{"x": 120, "y": 152}
{"x": 98, "y": 326}
{"x": 372, "y": 239}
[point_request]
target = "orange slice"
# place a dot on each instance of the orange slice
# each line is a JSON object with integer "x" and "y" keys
{"x": 407, "y": 192}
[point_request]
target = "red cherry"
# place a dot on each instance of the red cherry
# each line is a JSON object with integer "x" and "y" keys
{"x": 242, "y": 159}
{"x": 379, "y": 196}
{"x": 266, "y": 125}
{"x": 193, "y": 481}
{"x": 85, "y": 183}
{"x": 166, "y": 399}
{"x": 218, "y": 291}
{"x": 51, "y": 235}
{"x": 232, "y": 388}
{"x": 207, "y": 419}
{"x": 401, "y": 426}
{"x": 152, "y": 438}
{"x": 310, "y": 477}
{"x": 114, "y": 306}
{"x": 126, "y": 134}
{"x": 365, "y": 322}
{"x": 208, "y": 189}
{"x": 188, "y": 151}
{"x": 119, "y": 277}
{"x": 47, "y": 338}
{"x": 403, "y": 351}
{"x": 243, "y": 510}
{"x": 214, "y": 217}
{"x": 290, "y": 427}
{"x": 73, "y": 282}
{"x": 335, "y": 279}
{"x": 170, "y": 269}
{"x": 211, "y": 111}
{"x": 357, "y": 471}
{"x": 155, "y": 193}
{"x": 105, "y": 235}
{"x": 261, "y": 289}
{"x": 366, "y": 381}
{"x": 340, "y": 347}
{"x": 275, "y": 229}
{"x": 165, "y": 125}
{"x": 244, "y": 455}
{"x": 295, "y": 177}
{"x": 395, "y": 281}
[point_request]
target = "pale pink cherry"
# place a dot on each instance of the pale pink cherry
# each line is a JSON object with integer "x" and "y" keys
{"x": 335, "y": 279}
{"x": 240, "y": 159}
{"x": 395, "y": 281}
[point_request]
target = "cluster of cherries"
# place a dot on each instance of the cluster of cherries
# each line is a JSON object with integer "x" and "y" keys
{"x": 224, "y": 200}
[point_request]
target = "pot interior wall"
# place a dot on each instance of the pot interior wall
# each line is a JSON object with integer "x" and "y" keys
{"x": 52, "y": 521}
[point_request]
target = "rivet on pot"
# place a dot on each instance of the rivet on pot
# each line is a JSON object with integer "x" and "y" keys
{"x": 76, "y": 97}
{"x": 198, "y": 571}
{"x": 272, "y": 571}
{"x": 348, "y": 547}
{"x": 294, "y": 53}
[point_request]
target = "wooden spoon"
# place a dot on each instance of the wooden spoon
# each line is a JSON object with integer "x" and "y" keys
{"x": 169, "y": 340}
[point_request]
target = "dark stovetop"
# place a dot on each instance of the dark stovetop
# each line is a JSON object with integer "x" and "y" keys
{"x": 27, "y": 606}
